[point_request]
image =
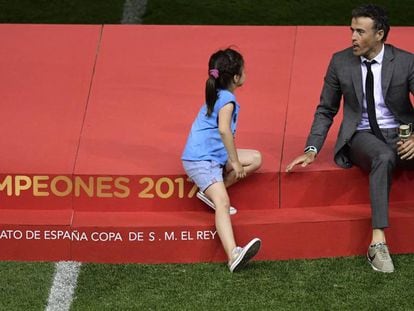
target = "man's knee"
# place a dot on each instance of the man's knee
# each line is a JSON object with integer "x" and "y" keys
{"x": 387, "y": 157}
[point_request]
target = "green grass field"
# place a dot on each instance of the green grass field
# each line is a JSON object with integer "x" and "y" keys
{"x": 61, "y": 11}
{"x": 218, "y": 12}
{"x": 329, "y": 284}
{"x": 267, "y": 12}
{"x": 24, "y": 286}
{"x": 324, "y": 284}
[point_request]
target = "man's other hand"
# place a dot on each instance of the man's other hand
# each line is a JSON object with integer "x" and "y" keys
{"x": 405, "y": 148}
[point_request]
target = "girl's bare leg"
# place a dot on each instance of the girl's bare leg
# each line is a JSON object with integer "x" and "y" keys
{"x": 251, "y": 161}
{"x": 218, "y": 194}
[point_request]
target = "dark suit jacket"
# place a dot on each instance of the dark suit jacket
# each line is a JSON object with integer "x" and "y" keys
{"x": 344, "y": 80}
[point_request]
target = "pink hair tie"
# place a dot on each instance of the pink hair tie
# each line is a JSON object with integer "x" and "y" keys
{"x": 214, "y": 73}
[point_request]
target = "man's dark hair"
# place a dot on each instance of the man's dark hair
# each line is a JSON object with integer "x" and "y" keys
{"x": 377, "y": 14}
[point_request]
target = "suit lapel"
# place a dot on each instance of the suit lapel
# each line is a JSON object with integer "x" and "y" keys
{"x": 357, "y": 78}
{"x": 387, "y": 69}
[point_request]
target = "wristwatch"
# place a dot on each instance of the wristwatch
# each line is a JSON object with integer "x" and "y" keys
{"x": 310, "y": 149}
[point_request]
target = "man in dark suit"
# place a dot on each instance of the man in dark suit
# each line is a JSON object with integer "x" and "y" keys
{"x": 375, "y": 80}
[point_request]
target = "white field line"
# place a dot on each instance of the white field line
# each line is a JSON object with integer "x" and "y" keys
{"x": 133, "y": 11}
{"x": 64, "y": 285}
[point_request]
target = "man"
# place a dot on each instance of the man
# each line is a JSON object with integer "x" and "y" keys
{"x": 375, "y": 80}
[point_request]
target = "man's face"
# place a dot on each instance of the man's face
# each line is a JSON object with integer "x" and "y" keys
{"x": 366, "y": 41}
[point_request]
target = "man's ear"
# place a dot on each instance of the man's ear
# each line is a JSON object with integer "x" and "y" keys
{"x": 380, "y": 34}
{"x": 236, "y": 79}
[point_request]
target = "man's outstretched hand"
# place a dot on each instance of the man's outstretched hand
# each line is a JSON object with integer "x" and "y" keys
{"x": 304, "y": 159}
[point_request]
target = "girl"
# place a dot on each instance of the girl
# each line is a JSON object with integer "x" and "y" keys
{"x": 210, "y": 157}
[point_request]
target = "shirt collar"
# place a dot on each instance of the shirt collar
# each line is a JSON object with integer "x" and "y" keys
{"x": 377, "y": 58}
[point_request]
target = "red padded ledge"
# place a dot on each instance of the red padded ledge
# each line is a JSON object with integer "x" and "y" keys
{"x": 45, "y": 77}
{"x": 29, "y": 220}
{"x": 140, "y": 112}
{"x": 286, "y": 234}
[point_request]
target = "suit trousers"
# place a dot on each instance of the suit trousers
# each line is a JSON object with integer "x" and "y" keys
{"x": 379, "y": 159}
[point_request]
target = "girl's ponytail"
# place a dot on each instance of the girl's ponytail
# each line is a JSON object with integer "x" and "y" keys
{"x": 211, "y": 90}
{"x": 223, "y": 65}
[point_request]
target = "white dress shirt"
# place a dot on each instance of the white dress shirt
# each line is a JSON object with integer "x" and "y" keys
{"x": 385, "y": 118}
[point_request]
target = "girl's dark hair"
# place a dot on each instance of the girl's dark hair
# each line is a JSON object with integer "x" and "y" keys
{"x": 377, "y": 14}
{"x": 222, "y": 67}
